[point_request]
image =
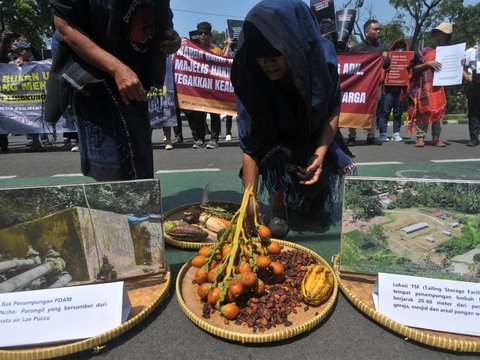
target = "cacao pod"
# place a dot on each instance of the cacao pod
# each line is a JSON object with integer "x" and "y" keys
{"x": 187, "y": 232}
{"x": 317, "y": 285}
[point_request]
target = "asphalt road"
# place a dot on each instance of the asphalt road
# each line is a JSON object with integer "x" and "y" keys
{"x": 55, "y": 160}
{"x": 168, "y": 334}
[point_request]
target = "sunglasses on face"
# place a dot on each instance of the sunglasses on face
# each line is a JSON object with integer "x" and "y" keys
{"x": 203, "y": 33}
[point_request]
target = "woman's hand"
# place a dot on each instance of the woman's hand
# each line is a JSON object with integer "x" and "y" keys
{"x": 435, "y": 65}
{"x": 313, "y": 172}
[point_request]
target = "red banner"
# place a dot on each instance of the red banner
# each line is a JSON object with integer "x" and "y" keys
{"x": 398, "y": 75}
{"x": 202, "y": 80}
{"x": 359, "y": 78}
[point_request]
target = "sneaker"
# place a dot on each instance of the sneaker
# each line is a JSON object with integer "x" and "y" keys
{"x": 212, "y": 144}
{"x": 164, "y": 138}
{"x": 198, "y": 144}
{"x": 383, "y": 137}
{"x": 278, "y": 227}
{"x": 168, "y": 145}
{"x": 397, "y": 137}
{"x": 472, "y": 142}
{"x": 179, "y": 139}
{"x": 351, "y": 142}
{"x": 75, "y": 149}
{"x": 228, "y": 137}
{"x": 373, "y": 141}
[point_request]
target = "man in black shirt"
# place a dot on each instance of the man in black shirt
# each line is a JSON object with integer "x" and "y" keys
{"x": 371, "y": 43}
{"x": 109, "y": 55}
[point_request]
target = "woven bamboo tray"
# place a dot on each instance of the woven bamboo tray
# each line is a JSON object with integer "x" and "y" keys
{"x": 145, "y": 295}
{"x": 358, "y": 289}
{"x": 301, "y": 322}
{"x": 177, "y": 214}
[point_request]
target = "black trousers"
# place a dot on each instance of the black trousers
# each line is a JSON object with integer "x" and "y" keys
{"x": 3, "y": 142}
{"x": 196, "y": 120}
{"x": 472, "y": 91}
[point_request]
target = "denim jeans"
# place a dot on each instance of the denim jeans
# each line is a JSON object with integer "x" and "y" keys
{"x": 391, "y": 101}
{"x": 115, "y": 140}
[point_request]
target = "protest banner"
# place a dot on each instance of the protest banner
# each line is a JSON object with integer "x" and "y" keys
{"x": 398, "y": 74}
{"x": 359, "y": 77}
{"x": 202, "y": 80}
{"x": 234, "y": 28}
{"x": 161, "y": 101}
{"x": 194, "y": 36}
{"x": 324, "y": 11}
{"x": 345, "y": 22}
{"x": 22, "y": 98}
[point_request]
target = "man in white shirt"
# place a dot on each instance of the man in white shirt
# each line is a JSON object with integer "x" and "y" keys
{"x": 471, "y": 75}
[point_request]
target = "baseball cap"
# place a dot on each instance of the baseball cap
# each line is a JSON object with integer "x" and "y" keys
{"x": 446, "y": 28}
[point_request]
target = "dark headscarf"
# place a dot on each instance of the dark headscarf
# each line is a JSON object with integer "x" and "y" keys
{"x": 285, "y": 27}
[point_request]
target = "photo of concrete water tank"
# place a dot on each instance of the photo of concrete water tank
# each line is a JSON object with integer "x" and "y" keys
{"x": 417, "y": 227}
{"x": 77, "y": 234}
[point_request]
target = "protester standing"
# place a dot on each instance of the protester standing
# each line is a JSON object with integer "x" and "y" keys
{"x": 371, "y": 30}
{"x": 24, "y": 54}
{"x": 110, "y": 54}
{"x": 393, "y": 100}
{"x": 5, "y": 42}
{"x": 471, "y": 75}
{"x": 198, "y": 118}
{"x": 428, "y": 102}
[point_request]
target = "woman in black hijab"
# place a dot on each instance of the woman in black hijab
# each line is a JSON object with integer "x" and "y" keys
{"x": 286, "y": 79}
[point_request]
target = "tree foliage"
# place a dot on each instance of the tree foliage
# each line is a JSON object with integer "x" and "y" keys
{"x": 218, "y": 38}
{"x": 391, "y": 32}
{"x": 21, "y": 205}
{"x": 469, "y": 240}
{"x": 423, "y": 15}
{"x": 476, "y": 258}
{"x": 467, "y": 25}
{"x": 31, "y": 18}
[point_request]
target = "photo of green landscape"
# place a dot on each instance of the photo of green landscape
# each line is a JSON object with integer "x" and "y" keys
{"x": 428, "y": 228}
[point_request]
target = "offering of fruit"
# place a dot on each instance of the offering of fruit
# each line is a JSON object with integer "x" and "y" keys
{"x": 199, "y": 222}
{"x": 239, "y": 264}
{"x": 183, "y": 231}
{"x": 317, "y": 285}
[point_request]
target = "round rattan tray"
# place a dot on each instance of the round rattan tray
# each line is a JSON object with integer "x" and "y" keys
{"x": 177, "y": 214}
{"x": 301, "y": 322}
{"x": 145, "y": 295}
{"x": 357, "y": 289}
